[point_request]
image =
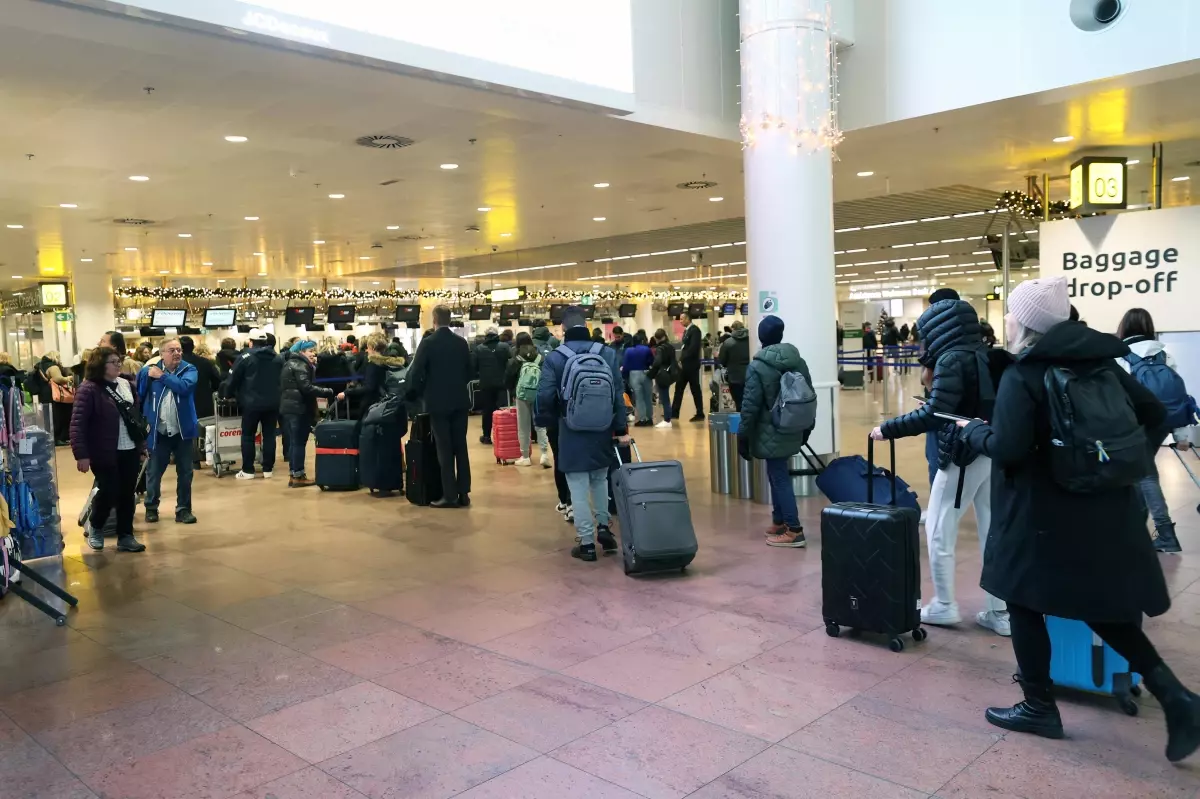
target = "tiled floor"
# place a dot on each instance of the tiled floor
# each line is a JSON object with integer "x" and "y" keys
{"x": 305, "y": 645}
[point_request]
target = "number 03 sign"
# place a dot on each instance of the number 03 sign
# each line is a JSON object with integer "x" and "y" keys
{"x": 1098, "y": 184}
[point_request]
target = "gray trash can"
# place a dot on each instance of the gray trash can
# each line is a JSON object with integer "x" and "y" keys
{"x": 741, "y": 483}
{"x": 718, "y": 452}
{"x": 803, "y": 485}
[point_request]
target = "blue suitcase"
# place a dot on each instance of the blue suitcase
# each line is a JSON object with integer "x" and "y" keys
{"x": 1081, "y": 660}
{"x": 854, "y": 479}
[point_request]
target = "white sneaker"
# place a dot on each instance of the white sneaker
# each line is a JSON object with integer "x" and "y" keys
{"x": 940, "y": 614}
{"x": 995, "y": 620}
{"x": 523, "y": 462}
{"x": 569, "y": 514}
{"x": 268, "y": 475}
{"x": 663, "y": 426}
{"x": 924, "y": 516}
{"x": 561, "y": 508}
{"x": 547, "y": 461}
{"x": 244, "y": 475}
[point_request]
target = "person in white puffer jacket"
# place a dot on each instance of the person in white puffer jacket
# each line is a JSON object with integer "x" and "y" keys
{"x": 1148, "y": 354}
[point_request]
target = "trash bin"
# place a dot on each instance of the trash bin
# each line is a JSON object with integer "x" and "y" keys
{"x": 741, "y": 484}
{"x": 804, "y": 479}
{"x": 718, "y": 452}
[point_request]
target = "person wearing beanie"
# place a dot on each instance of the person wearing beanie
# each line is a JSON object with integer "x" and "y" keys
{"x": 1056, "y": 552}
{"x": 961, "y": 384}
{"x": 759, "y": 438}
{"x": 584, "y": 456}
{"x": 298, "y": 406}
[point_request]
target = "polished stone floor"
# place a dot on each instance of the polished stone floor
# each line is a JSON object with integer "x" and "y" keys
{"x": 298, "y": 644}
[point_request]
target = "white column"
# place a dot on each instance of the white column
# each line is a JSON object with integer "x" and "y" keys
{"x": 92, "y": 298}
{"x": 788, "y": 134}
{"x": 645, "y": 318}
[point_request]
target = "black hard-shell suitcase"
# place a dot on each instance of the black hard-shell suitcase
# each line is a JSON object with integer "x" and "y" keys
{"x": 870, "y": 565}
{"x": 423, "y": 472}
{"x": 655, "y": 518}
{"x": 337, "y": 453}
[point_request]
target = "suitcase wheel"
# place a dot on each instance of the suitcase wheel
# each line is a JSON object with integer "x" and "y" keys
{"x": 896, "y": 645}
{"x": 919, "y": 634}
{"x": 832, "y": 630}
{"x": 1128, "y": 705}
{"x": 1135, "y": 690}
{"x": 322, "y": 487}
{"x": 629, "y": 567}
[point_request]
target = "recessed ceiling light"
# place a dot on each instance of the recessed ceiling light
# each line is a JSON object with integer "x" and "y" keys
{"x": 206, "y": 263}
{"x": 127, "y": 278}
{"x": 221, "y": 280}
{"x": 1063, "y": 139}
{"x": 185, "y": 235}
{"x": 318, "y": 241}
{"x": 1132, "y": 161}
{"x": 164, "y": 271}
{"x": 86, "y": 260}
{"x": 865, "y": 174}
{"x": 18, "y": 277}
{"x": 15, "y": 227}
{"x": 599, "y": 185}
{"x": 67, "y": 205}
{"x": 505, "y": 235}
{"x": 483, "y": 209}
{"x": 260, "y": 253}
{"x": 429, "y": 247}
{"x": 364, "y": 257}
{"x": 715, "y": 199}
{"x": 139, "y": 178}
{"x": 374, "y": 282}
{"x": 393, "y": 227}
{"x": 599, "y": 218}
{"x": 303, "y": 282}
{"x": 236, "y": 139}
{"x": 310, "y": 266}
{"x": 1180, "y": 178}
{"x": 250, "y": 218}
{"x": 131, "y": 249}
{"x": 337, "y": 196}
{"x": 449, "y": 166}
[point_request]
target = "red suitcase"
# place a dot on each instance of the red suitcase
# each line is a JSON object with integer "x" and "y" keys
{"x": 505, "y": 443}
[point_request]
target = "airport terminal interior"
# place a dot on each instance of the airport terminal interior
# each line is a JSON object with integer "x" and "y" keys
{"x": 306, "y": 177}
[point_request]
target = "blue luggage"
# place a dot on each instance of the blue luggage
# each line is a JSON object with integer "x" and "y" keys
{"x": 1081, "y": 660}
{"x": 846, "y": 480}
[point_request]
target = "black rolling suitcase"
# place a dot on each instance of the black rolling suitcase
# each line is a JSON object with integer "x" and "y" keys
{"x": 655, "y": 518}
{"x": 381, "y": 447}
{"x": 337, "y": 453}
{"x": 423, "y": 472}
{"x": 870, "y": 565}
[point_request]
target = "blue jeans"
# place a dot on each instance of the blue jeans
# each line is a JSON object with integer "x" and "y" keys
{"x": 297, "y": 428}
{"x": 641, "y": 396}
{"x": 164, "y": 447}
{"x": 931, "y": 454}
{"x": 664, "y": 401}
{"x": 1156, "y": 503}
{"x": 783, "y": 499}
{"x": 589, "y": 492}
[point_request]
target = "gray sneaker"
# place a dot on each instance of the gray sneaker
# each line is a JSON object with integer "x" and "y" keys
{"x": 95, "y": 538}
{"x": 127, "y": 543}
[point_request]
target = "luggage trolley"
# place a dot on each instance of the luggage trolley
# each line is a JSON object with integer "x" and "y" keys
{"x": 227, "y": 436}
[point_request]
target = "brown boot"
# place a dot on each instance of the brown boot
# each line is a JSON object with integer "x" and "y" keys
{"x": 300, "y": 482}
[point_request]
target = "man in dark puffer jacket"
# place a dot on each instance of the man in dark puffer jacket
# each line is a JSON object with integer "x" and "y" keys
{"x": 962, "y": 385}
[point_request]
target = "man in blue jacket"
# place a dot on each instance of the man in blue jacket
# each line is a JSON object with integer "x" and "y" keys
{"x": 584, "y": 455}
{"x": 168, "y": 391}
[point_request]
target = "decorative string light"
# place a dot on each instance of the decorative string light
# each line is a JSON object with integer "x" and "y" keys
{"x": 1023, "y": 205}
{"x": 451, "y": 296}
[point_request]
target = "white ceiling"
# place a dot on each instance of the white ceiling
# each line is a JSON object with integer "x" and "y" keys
{"x": 73, "y": 96}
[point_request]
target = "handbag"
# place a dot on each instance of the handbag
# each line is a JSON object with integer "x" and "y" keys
{"x": 134, "y": 425}
{"x": 60, "y": 393}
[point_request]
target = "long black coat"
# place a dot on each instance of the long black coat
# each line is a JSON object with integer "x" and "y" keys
{"x": 1079, "y": 556}
{"x": 440, "y": 372}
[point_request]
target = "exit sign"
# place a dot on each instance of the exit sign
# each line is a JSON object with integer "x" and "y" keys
{"x": 64, "y": 316}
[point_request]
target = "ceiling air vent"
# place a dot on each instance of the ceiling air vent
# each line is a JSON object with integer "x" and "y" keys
{"x": 128, "y": 221}
{"x": 391, "y": 182}
{"x": 411, "y": 237}
{"x": 697, "y": 185}
{"x": 384, "y": 142}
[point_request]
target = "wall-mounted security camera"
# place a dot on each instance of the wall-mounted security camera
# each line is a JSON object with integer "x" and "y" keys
{"x": 1096, "y": 15}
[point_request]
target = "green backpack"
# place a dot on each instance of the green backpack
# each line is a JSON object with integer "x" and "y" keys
{"x": 527, "y": 382}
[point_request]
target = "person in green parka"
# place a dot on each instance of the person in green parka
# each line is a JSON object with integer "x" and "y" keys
{"x": 759, "y": 438}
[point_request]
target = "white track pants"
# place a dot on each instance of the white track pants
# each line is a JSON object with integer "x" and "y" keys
{"x": 942, "y": 518}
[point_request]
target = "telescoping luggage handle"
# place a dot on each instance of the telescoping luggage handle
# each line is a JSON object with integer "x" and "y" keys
{"x": 333, "y": 406}
{"x": 632, "y": 446}
{"x": 871, "y": 470}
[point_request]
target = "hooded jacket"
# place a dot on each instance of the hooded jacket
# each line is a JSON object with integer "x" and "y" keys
{"x": 512, "y": 372}
{"x": 226, "y": 358}
{"x": 763, "y": 377}
{"x": 375, "y": 370}
{"x": 182, "y": 382}
{"x": 489, "y": 360}
{"x": 255, "y": 380}
{"x": 1079, "y": 556}
{"x": 543, "y": 340}
{"x": 734, "y": 355}
{"x": 954, "y": 350}
{"x": 1147, "y": 348}
{"x": 297, "y": 392}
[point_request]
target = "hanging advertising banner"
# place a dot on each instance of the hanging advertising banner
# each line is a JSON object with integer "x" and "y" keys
{"x": 1144, "y": 259}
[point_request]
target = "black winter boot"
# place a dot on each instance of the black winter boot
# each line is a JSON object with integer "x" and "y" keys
{"x": 1167, "y": 541}
{"x": 1037, "y": 714}
{"x": 1182, "y": 708}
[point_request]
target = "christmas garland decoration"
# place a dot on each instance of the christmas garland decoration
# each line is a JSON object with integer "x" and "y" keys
{"x": 1023, "y": 205}
{"x": 446, "y": 295}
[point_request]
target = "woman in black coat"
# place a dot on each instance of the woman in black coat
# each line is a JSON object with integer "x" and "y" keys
{"x": 1054, "y": 552}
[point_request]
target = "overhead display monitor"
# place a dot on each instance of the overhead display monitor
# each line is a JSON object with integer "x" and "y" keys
{"x": 695, "y": 309}
{"x": 589, "y": 311}
{"x": 729, "y": 309}
{"x": 480, "y": 313}
{"x": 168, "y": 317}
{"x": 556, "y": 312}
{"x": 220, "y": 317}
{"x": 577, "y": 51}
{"x": 745, "y": 309}
{"x": 675, "y": 308}
{"x": 408, "y": 313}
{"x": 300, "y": 316}
{"x": 627, "y": 310}
{"x": 340, "y": 313}
{"x": 509, "y": 313}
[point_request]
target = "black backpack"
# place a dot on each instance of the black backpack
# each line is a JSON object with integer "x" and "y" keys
{"x": 1096, "y": 441}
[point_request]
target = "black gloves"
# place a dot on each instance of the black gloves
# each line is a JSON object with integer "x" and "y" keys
{"x": 743, "y": 447}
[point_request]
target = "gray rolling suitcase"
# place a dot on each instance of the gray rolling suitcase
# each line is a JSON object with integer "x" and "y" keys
{"x": 655, "y": 518}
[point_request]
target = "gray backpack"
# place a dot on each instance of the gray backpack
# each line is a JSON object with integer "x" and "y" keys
{"x": 795, "y": 409}
{"x": 587, "y": 390}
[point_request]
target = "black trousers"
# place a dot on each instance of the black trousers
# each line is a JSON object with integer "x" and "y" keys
{"x": 1031, "y": 644}
{"x": 60, "y": 417}
{"x": 560, "y": 479}
{"x": 116, "y": 492}
{"x": 688, "y": 376}
{"x": 736, "y": 390}
{"x": 450, "y": 439}
{"x": 490, "y": 400}
{"x": 251, "y": 419}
